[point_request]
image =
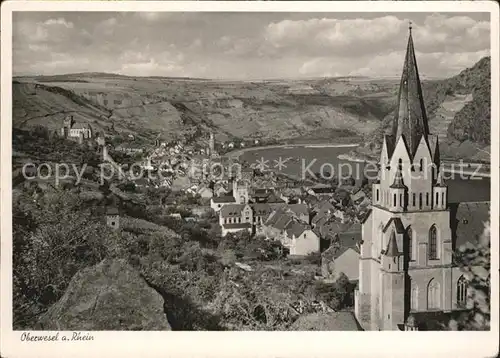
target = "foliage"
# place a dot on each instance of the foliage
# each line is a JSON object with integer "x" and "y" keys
{"x": 336, "y": 295}
{"x": 476, "y": 262}
{"x": 53, "y": 238}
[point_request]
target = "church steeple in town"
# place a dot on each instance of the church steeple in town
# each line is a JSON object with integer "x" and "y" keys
{"x": 411, "y": 118}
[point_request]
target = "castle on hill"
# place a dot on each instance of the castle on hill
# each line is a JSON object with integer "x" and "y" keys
{"x": 406, "y": 269}
{"x": 76, "y": 130}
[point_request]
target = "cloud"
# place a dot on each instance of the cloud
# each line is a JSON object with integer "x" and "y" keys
{"x": 59, "y": 22}
{"x": 250, "y": 46}
{"x": 150, "y": 16}
{"x": 358, "y": 37}
{"x": 151, "y": 68}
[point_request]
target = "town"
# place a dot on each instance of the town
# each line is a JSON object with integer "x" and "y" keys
{"x": 183, "y": 226}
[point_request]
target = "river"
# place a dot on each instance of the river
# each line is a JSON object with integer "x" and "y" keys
{"x": 297, "y": 159}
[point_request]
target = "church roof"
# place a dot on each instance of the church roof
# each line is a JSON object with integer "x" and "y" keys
{"x": 397, "y": 222}
{"x": 392, "y": 247}
{"x": 390, "y": 143}
{"x": 433, "y": 146}
{"x": 224, "y": 199}
{"x": 369, "y": 212}
{"x": 411, "y": 119}
{"x": 231, "y": 210}
{"x": 398, "y": 181}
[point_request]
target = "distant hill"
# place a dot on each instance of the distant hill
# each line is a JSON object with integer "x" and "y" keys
{"x": 148, "y": 106}
{"x": 325, "y": 108}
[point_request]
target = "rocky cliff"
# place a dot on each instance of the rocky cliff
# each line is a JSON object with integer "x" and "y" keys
{"x": 109, "y": 296}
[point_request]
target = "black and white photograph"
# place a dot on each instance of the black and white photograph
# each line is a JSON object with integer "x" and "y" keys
{"x": 250, "y": 171}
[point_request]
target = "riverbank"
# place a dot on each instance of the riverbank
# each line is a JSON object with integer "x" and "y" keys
{"x": 449, "y": 166}
{"x": 237, "y": 153}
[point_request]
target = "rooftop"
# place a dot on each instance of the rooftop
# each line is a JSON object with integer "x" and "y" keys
{"x": 238, "y": 226}
{"x": 224, "y": 199}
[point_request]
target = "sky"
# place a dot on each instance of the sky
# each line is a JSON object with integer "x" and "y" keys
{"x": 246, "y": 45}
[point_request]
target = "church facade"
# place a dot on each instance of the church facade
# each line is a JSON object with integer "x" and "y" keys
{"x": 405, "y": 263}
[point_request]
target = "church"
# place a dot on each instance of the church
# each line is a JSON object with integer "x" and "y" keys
{"x": 405, "y": 262}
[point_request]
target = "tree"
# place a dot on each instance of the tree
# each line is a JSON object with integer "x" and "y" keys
{"x": 337, "y": 294}
{"x": 476, "y": 262}
{"x": 59, "y": 238}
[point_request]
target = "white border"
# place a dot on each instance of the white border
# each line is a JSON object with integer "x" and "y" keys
{"x": 247, "y": 344}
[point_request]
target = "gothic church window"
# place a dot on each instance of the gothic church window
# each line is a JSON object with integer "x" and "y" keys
{"x": 420, "y": 201}
{"x": 395, "y": 203}
{"x": 433, "y": 295}
{"x": 421, "y": 164}
{"x": 427, "y": 199}
{"x": 377, "y": 194}
{"x": 442, "y": 198}
{"x": 437, "y": 198}
{"x": 433, "y": 243}
{"x": 414, "y": 198}
{"x": 410, "y": 243}
{"x": 461, "y": 291}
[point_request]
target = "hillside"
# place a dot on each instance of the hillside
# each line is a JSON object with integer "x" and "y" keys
{"x": 148, "y": 106}
{"x": 326, "y": 108}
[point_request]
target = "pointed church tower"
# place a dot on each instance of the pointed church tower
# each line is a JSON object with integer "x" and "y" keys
{"x": 406, "y": 237}
{"x": 411, "y": 120}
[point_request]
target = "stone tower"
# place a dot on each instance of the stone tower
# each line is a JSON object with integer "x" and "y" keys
{"x": 112, "y": 213}
{"x": 406, "y": 252}
{"x": 240, "y": 191}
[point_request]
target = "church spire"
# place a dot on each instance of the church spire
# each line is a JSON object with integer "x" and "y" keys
{"x": 398, "y": 180}
{"x": 411, "y": 119}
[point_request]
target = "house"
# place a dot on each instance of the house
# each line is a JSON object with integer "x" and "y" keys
{"x": 300, "y": 239}
{"x": 112, "y": 217}
{"x": 322, "y": 212}
{"x": 342, "y": 257}
{"x": 260, "y": 195}
{"x": 220, "y": 190}
{"x": 296, "y": 236}
{"x": 217, "y": 202}
{"x": 235, "y": 213}
{"x": 205, "y": 192}
{"x": 321, "y": 189}
{"x": 300, "y": 210}
{"x": 175, "y": 216}
{"x": 236, "y": 217}
{"x": 261, "y": 212}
